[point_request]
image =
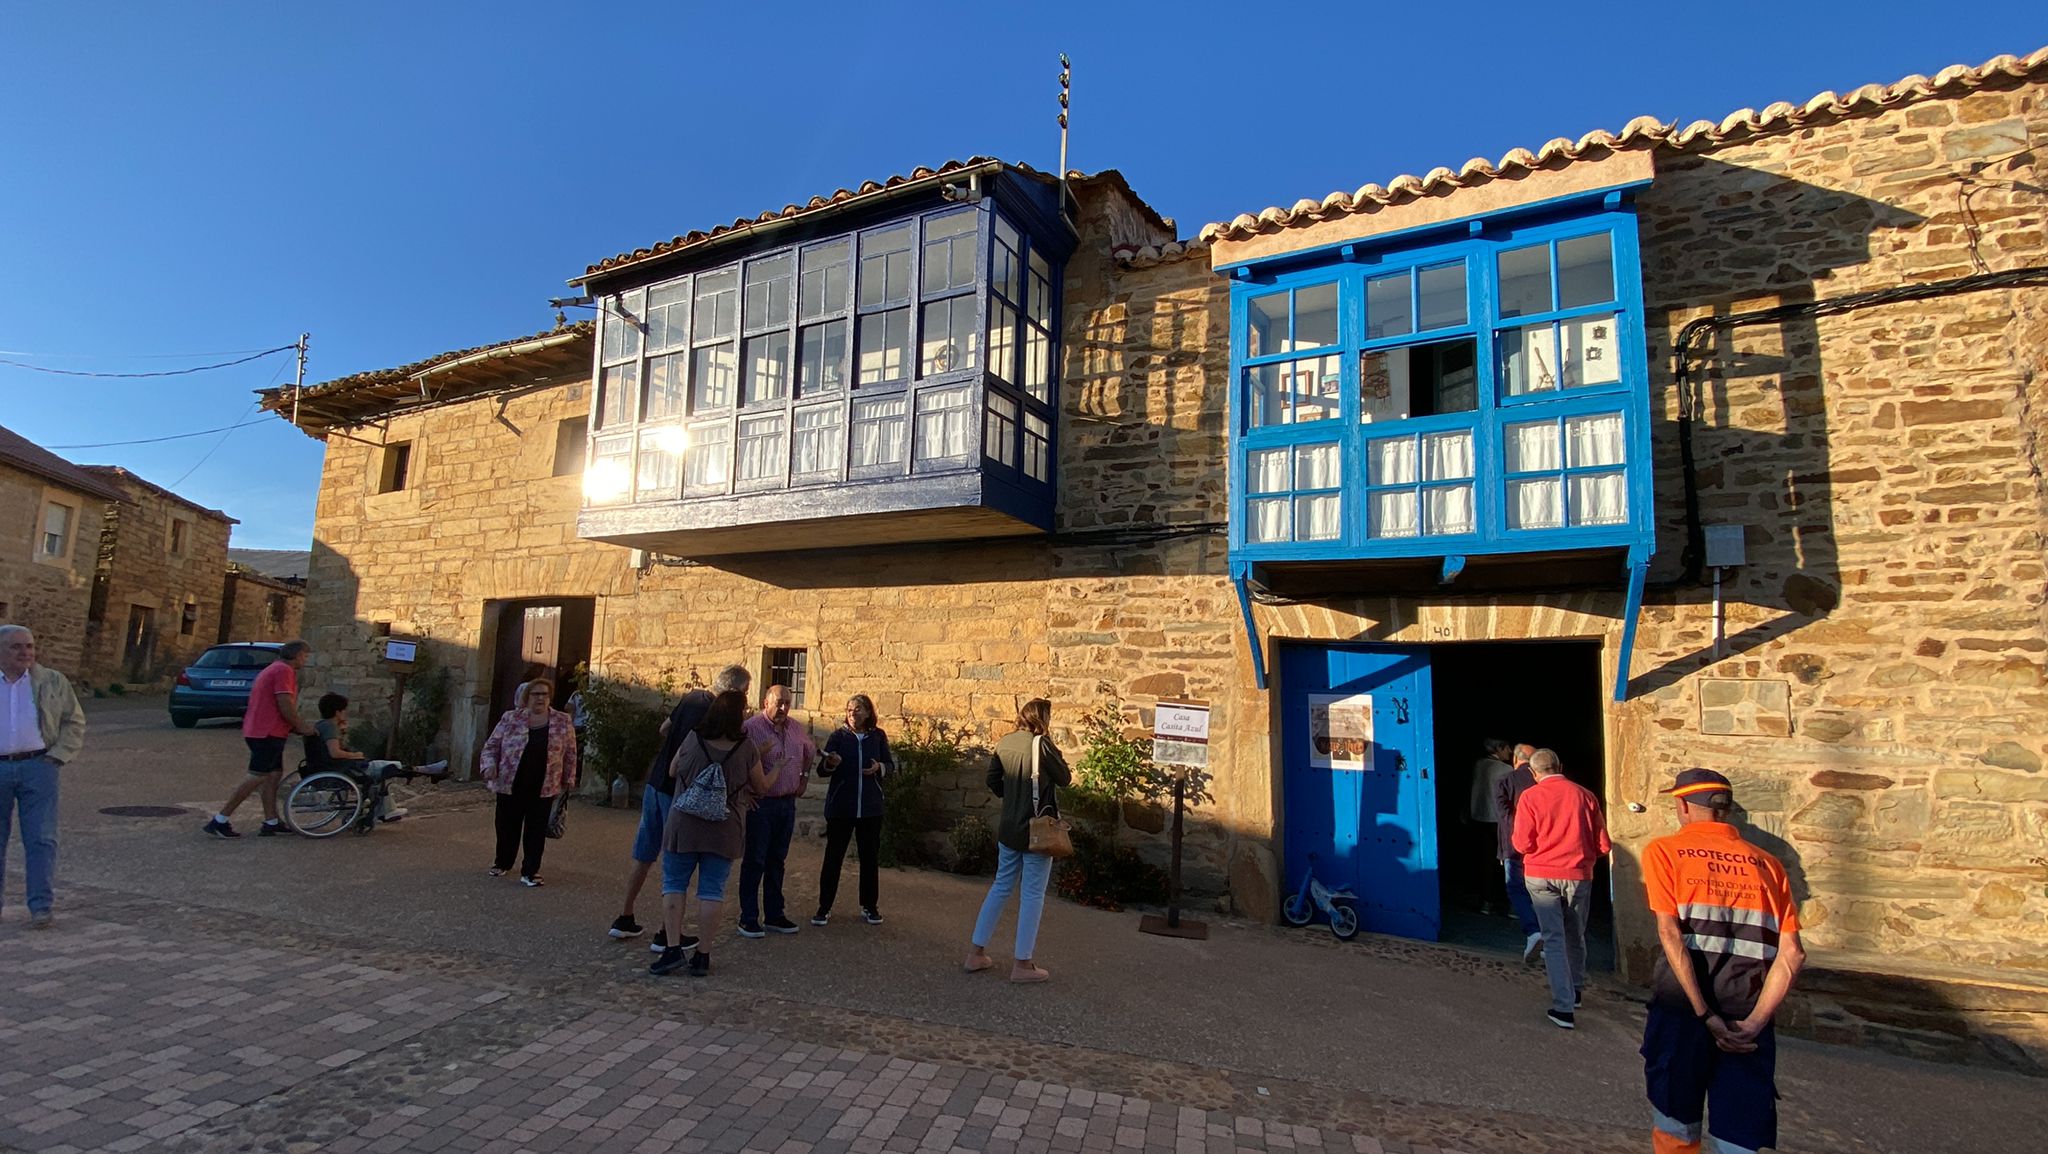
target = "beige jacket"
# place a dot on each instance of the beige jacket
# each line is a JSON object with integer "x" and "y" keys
{"x": 58, "y": 714}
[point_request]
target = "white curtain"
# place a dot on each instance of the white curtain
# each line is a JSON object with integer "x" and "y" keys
{"x": 1269, "y": 520}
{"x": 1532, "y": 448}
{"x": 1267, "y": 471}
{"x": 1447, "y": 510}
{"x": 819, "y": 445}
{"x": 942, "y": 424}
{"x": 1446, "y": 456}
{"x": 1594, "y": 440}
{"x": 1318, "y": 518}
{"x": 1393, "y": 514}
{"x": 762, "y": 451}
{"x": 1536, "y": 503}
{"x": 1318, "y": 467}
{"x": 878, "y": 428}
{"x": 1393, "y": 461}
{"x": 709, "y": 456}
{"x": 1599, "y": 499}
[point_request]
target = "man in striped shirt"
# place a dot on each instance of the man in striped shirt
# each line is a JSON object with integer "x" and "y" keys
{"x": 1730, "y": 932}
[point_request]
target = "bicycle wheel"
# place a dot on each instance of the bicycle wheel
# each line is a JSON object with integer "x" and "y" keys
{"x": 324, "y": 804}
{"x": 1343, "y": 921}
{"x": 1297, "y": 909}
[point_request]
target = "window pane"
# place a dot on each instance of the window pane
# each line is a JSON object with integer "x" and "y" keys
{"x": 1318, "y": 518}
{"x": 768, "y": 291}
{"x": 1446, "y": 456}
{"x": 1040, "y": 304}
{"x": 823, "y": 285}
{"x": 1037, "y": 363}
{"x": 1594, "y": 440}
{"x": 823, "y": 357}
{"x": 607, "y": 480}
{"x": 1296, "y": 391}
{"x": 1268, "y": 519}
{"x": 1002, "y": 340}
{"x": 1532, "y": 447}
{"x": 878, "y": 435}
{"x": 885, "y": 267}
{"x": 949, "y": 251}
{"x": 622, "y": 326}
{"x": 949, "y": 335}
{"x": 1442, "y": 290}
{"x": 1266, "y": 471}
{"x": 1585, "y": 271}
{"x": 659, "y": 467}
{"x": 999, "y": 430}
{"x": 1536, "y": 503}
{"x": 767, "y": 362}
{"x": 884, "y": 347}
{"x": 762, "y": 451}
{"x": 668, "y": 315}
{"x": 1589, "y": 351}
{"x": 1391, "y": 462}
{"x": 820, "y": 443}
{"x": 664, "y": 386}
{"x": 618, "y": 387}
{"x": 1315, "y": 316}
{"x": 1525, "y": 281}
{"x": 1317, "y": 467}
{"x": 1447, "y": 510}
{"x": 1037, "y": 448}
{"x": 942, "y": 424}
{"x": 1393, "y": 514}
{"x": 1388, "y": 310}
{"x": 713, "y": 372}
{"x": 1599, "y": 499}
{"x": 718, "y": 301}
{"x": 708, "y": 458}
{"x": 1266, "y": 324}
{"x": 1528, "y": 360}
{"x": 1007, "y": 269}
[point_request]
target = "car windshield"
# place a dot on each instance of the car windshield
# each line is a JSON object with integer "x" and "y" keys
{"x": 235, "y": 657}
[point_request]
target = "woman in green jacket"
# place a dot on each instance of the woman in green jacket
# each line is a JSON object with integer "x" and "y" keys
{"x": 1024, "y": 771}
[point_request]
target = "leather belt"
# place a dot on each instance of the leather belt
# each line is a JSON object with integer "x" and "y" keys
{"x": 26, "y": 755}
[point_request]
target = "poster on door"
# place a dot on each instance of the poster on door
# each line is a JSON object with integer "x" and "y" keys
{"x": 1340, "y": 731}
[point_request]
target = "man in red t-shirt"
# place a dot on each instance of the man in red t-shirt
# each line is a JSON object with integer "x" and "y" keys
{"x": 1561, "y": 835}
{"x": 272, "y": 718}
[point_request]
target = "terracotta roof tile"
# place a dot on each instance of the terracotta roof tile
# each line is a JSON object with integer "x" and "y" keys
{"x": 1647, "y": 132}
{"x": 1147, "y": 255}
{"x": 117, "y": 475}
{"x": 24, "y": 454}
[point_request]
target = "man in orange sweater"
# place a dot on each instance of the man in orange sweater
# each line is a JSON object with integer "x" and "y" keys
{"x": 1561, "y": 835}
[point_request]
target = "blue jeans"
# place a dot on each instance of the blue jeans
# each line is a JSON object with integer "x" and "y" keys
{"x": 654, "y": 806}
{"x": 1036, "y": 870}
{"x": 1561, "y": 909}
{"x": 769, "y": 828}
{"x": 31, "y": 785}
{"x": 1518, "y": 896}
{"x": 711, "y": 871}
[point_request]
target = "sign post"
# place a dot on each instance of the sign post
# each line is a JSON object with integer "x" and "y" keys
{"x": 398, "y": 657}
{"x": 1180, "y": 741}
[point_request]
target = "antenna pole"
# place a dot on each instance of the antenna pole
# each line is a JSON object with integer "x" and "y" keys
{"x": 299, "y": 381}
{"x": 1066, "y": 87}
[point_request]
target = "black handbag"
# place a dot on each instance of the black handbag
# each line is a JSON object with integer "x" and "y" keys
{"x": 558, "y": 817}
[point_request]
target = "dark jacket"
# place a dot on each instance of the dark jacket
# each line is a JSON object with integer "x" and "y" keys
{"x": 852, "y": 793}
{"x": 1009, "y": 777}
{"x": 1507, "y": 794}
{"x": 682, "y": 721}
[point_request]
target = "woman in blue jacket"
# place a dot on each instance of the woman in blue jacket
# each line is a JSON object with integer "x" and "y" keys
{"x": 856, "y": 758}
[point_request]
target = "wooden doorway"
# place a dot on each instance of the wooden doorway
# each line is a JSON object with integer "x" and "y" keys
{"x": 552, "y": 634}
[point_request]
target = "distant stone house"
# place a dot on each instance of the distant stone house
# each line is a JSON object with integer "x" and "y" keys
{"x": 157, "y": 585}
{"x": 51, "y": 512}
{"x": 258, "y": 607}
{"x": 1717, "y": 445}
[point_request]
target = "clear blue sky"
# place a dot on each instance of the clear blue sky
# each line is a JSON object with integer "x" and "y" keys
{"x": 403, "y": 179}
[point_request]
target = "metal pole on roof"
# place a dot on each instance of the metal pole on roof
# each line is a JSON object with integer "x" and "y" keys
{"x": 1066, "y": 86}
{"x": 299, "y": 381}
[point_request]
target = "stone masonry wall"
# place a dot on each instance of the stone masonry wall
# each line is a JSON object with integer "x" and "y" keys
{"x": 139, "y": 568}
{"x": 48, "y": 597}
{"x": 246, "y": 608}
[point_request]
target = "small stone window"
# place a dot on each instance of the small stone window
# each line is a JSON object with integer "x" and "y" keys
{"x": 188, "y": 621}
{"x": 790, "y": 668}
{"x": 395, "y": 470}
{"x": 53, "y": 539}
{"x": 181, "y": 532}
{"x": 572, "y": 437}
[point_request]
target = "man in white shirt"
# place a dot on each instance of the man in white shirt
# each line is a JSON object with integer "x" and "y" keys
{"x": 42, "y": 726}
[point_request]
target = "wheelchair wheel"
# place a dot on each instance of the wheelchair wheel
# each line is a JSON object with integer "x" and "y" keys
{"x": 324, "y": 804}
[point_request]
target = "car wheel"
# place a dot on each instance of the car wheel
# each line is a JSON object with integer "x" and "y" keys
{"x": 184, "y": 718}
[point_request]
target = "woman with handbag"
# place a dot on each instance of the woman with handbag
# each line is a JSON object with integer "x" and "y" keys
{"x": 1025, "y": 771}
{"x": 528, "y": 761}
{"x": 718, "y": 774}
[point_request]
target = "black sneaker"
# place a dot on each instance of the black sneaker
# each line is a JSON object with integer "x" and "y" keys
{"x": 700, "y": 964}
{"x": 218, "y": 828}
{"x": 1562, "y": 1019}
{"x": 624, "y": 927}
{"x": 669, "y": 962}
{"x": 871, "y": 917}
{"x": 821, "y": 918}
{"x": 751, "y": 930}
{"x": 1578, "y": 998}
{"x": 780, "y": 925}
{"x": 274, "y": 829}
{"x": 659, "y": 943}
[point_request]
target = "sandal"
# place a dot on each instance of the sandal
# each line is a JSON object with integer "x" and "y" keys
{"x": 978, "y": 963}
{"x": 1024, "y": 973}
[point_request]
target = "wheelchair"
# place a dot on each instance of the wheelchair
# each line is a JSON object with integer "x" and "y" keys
{"x": 336, "y": 794}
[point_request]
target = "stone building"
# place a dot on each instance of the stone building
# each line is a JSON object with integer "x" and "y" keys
{"x": 257, "y": 607}
{"x": 1714, "y": 445}
{"x": 157, "y": 586}
{"x": 51, "y": 511}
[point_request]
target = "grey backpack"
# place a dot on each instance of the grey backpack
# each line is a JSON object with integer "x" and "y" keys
{"x": 706, "y": 797}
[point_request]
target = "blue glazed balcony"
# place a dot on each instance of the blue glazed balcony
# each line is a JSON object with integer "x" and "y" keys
{"x": 879, "y": 376}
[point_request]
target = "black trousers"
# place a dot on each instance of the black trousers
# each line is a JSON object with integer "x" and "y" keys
{"x": 522, "y": 819}
{"x": 866, "y": 833}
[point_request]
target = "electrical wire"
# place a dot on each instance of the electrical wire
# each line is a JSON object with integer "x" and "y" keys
{"x": 160, "y": 440}
{"x": 229, "y": 431}
{"x": 164, "y": 373}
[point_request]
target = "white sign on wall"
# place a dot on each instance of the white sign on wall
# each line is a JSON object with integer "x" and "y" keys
{"x": 1180, "y": 733}
{"x": 401, "y": 650}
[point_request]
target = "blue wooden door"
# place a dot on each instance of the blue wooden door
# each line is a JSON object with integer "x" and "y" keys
{"x": 1358, "y": 780}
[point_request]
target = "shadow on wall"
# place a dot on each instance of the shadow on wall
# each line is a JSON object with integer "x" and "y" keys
{"x": 1764, "y": 458}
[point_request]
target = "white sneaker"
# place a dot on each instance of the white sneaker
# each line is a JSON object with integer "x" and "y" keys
{"x": 394, "y": 813}
{"x": 1533, "y": 948}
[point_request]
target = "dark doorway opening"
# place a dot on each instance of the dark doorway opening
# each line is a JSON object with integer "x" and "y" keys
{"x": 552, "y": 634}
{"x": 1546, "y": 693}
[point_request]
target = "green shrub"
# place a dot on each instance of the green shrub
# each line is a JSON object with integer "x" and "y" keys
{"x": 923, "y": 749}
{"x": 426, "y": 710}
{"x": 624, "y": 733}
{"x": 1106, "y": 875}
{"x": 973, "y": 844}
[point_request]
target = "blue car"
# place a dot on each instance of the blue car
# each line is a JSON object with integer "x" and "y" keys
{"x": 217, "y": 685}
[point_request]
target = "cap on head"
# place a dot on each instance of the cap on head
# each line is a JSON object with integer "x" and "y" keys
{"x": 1701, "y": 787}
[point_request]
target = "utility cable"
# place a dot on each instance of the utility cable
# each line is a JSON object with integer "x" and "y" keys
{"x": 160, "y": 440}
{"x": 165, "y": 373}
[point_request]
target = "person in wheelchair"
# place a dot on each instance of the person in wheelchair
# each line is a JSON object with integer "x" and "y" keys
{"x": 328, "y": 749}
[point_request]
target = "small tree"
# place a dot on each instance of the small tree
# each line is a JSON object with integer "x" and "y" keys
{"x": 1115, "y": 767}
{"x": 922, "y": 750}
{"x": 624, "y": 733}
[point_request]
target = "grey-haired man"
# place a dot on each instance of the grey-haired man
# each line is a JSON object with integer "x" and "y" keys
{"x": 42, "y": 726}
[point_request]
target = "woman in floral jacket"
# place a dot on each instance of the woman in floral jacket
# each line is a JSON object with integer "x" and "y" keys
{"x": 529, "y": 760}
